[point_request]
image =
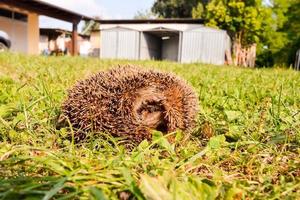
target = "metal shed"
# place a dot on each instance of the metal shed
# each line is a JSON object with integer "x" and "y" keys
{"x": 181, "y": 40}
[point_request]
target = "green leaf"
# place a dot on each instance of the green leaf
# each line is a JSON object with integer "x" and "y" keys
{"x": 56, "y": 188}
{"x": 97, "y": 193}
{"x": 154, "y": 189}
{"x": 162, "y": 141}
{"x": 143, "y": 145}
{"x": 179, "y": 136}
{"x": 232, "y": 115}
{"x": 134, "y": 189}
{"x": 216, "y": 142}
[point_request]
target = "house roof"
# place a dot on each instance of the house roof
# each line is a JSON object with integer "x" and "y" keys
{"x": 55, "y": 32}
{"x": 47, "y": 9}
{"x": 151, "y": 21}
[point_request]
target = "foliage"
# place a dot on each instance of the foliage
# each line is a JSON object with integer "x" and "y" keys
{"x": 291, "y": 29}
{"x": 198, "y": 11}
{"x": 90, "y": 26}
{"x": 175, "y": 8}
{"x": 245, "y": 146}
{"x": 246, "y": 21}
{"x": 275, "y": 37}
{"x": 145, "y": 14}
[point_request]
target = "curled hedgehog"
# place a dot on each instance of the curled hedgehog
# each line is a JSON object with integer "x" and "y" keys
{"x": 130, "y": 102}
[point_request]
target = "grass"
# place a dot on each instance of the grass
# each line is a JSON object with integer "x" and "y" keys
{"x": 246, "y": 144}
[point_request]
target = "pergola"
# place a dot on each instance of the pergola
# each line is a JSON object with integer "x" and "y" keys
{"x": 46, "y": 9}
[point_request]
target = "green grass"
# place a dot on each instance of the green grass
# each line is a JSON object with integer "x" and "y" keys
{"x": 246, "y": 144}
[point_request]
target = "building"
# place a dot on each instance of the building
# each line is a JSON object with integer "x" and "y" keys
{"x": 95, "y": 43}
{"x": 20, "y": 20}
{"x": 181, "y": 40}
{"x": 56, "y": 41}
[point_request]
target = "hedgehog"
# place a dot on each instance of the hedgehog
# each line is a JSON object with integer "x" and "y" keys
{"x": 131, "y": 102}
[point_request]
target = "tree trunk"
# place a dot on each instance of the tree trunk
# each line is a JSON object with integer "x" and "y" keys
{"x": 243, "y": 56}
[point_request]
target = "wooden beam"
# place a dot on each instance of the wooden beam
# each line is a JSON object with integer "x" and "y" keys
{"x": 75, "y": 39}
{"x": 44, "y": 9}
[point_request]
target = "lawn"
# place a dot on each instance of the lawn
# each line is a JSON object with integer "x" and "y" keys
{"x": 246, "y": 144}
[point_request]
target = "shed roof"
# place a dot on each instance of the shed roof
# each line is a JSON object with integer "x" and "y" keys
{"x": 151, "y": 21}
{"x": 47, "y": 9}
{"x": 149, "y": 26}
{"x": 178, "y": 24}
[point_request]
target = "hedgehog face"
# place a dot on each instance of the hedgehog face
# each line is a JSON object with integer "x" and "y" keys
{"x": 149, "y": 109}
{"x": 152, "y": 114}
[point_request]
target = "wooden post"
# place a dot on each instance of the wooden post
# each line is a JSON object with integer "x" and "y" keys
{"x": 74, "y": 39}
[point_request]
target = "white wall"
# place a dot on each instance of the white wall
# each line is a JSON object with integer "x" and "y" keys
{"x": 17, "y": 31}
{"x": 43, "y": 44}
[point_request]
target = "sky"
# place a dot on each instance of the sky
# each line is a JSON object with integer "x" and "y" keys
{"x": 106, "y": 9}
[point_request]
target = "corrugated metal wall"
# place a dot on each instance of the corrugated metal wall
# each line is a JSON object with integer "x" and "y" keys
{"x": 119, "y": 43}
{"x": 108, "y": 44}
{"x": 204, "y": 45}
{"x": 128, "y": 44}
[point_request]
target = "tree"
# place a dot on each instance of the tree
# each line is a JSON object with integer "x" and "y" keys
{"x": 245, "y": 21}
{"x": 291, "y": 30}
{"x": 175, "y": 8}
{"x": 274, "y": 37}
{"x": 250, "y": 24}
{"x": 144, "y": 14}
{"x": 89, "y": 26}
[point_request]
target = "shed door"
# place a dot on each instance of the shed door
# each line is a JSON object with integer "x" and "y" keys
{"x": 108, "y": 44}
{"x": 203, "y": 46}
{"x": 127, "y": 44}
{"x": 119, "y": 43}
